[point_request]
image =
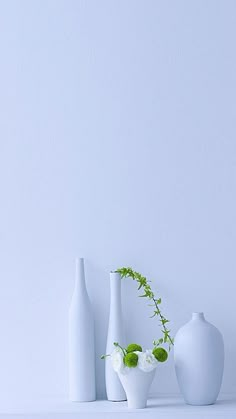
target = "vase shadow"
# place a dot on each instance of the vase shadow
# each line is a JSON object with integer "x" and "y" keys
{"x": 180, "y": 403}
{"x": 165, "y": 403}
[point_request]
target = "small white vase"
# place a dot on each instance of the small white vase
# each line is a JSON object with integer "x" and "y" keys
{"x": 136, "y": 384}
{"x": 81, "y": 342}
{"x": 199, "y": 361}
{"x": 114, "y": 389}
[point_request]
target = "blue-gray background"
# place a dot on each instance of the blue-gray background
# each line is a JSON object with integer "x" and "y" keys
{"x": 117, "y": 144}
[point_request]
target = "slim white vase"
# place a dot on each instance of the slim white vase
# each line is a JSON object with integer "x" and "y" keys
{"x": 114, "y": 389}
{"x": 81, "y": 342}
{"x": 199, "y": 361}
{"x": 137, "y": 384}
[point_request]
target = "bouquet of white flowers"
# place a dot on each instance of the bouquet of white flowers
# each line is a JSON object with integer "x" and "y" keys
{"x": 136, "y": 370}
{"x": 135, "y": 367}
{"x": 123, "y": 359}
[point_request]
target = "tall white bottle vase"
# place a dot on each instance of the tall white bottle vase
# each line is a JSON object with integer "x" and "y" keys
{"x": 114, "y": 388}
{"x": 199, "y": 360}
{"x": 82, "y": 387}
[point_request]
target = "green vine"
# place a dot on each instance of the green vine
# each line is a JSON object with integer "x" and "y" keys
{"x": 144, "y": 284}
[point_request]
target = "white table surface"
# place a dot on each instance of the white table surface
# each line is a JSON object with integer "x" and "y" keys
{"x": 167, "y": 407}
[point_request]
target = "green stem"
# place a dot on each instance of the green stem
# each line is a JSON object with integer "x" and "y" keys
{"x": 171, "y": 341}
{"x": 143, "y": 283}
{"x": 105, "y": 356}
{"x": 118, "y": 345}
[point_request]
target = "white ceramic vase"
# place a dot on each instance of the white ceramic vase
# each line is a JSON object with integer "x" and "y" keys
{"x": 136, "y": 384}
{"x": 81, "y": 342}
{"x": 114, "y": 389}
{"x": 199, "y": 361}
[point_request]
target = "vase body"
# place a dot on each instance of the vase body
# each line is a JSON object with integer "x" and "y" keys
{"x": 199, "y": 361}
{"x": 114, "y": 389}
{"x": 136, "y": 384}
{"x": 81, "y": 342}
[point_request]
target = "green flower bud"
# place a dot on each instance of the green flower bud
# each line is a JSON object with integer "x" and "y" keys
{"x": 160, "y": 354}
{"x": 133, "y": 347}
{"x": 131, "y": 360}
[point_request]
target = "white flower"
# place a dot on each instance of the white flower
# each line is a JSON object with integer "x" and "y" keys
{"x": 146, "y": 361}
{"x": 117, "y": 361}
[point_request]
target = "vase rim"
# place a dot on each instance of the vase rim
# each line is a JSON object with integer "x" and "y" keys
{"x": 198, "y": 315}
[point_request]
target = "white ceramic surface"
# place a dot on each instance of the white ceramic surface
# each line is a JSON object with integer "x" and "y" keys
{"x": 199, "y": 360}
{"x": 81, "y": 342}
{"x": 114, "y": 389}
{"x": 136, "y": 385}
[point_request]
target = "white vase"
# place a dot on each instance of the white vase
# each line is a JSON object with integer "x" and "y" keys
{"x": 114, "y": 389}
{"x": 199, "y": 361}
{"x": 81, "y": 342}
{"x": 137, "y": 384}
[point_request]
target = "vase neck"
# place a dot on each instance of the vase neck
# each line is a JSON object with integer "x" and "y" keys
{"x": 80, "y": 285}
{"x": 115, "y": 290}
{"x": 198, "y": 316}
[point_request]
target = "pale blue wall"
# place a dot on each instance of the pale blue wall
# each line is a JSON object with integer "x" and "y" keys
{"x": 117, "y": 143}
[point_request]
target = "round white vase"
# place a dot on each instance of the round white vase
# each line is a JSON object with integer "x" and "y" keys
{"x": 114, "y": 389}
{"x": 199, "y": 361}
{"x": 136, "y": 384}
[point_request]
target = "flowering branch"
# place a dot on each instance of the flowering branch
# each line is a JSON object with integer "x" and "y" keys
{"x": 143, "y": 283}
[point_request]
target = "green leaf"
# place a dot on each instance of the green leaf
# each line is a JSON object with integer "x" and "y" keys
{"x": 164, "y": 321}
